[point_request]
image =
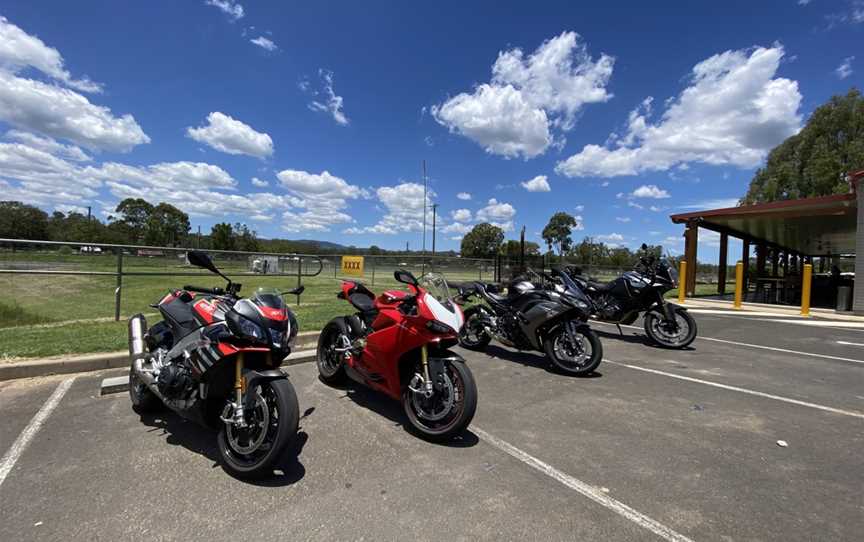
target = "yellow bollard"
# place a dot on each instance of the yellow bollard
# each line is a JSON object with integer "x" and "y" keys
{"x": 739, "y": 283}
{"x": 682, "y": 282}
{"x": 806, "y": 279}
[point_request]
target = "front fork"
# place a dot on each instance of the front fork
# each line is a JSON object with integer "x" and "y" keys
{"x": 238, "y": 417}
{"x": 427, "y": 389}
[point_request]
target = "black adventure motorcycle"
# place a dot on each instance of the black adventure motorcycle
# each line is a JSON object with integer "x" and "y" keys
{"x": 214, "y": 359}
{"x": 534, "y": 318}
{"x": 622, "y": 300}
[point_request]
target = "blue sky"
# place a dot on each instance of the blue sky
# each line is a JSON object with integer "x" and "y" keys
{"x": 310, "y": 119}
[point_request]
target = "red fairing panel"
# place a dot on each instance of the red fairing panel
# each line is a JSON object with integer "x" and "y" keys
{"x": 204, "y": 310}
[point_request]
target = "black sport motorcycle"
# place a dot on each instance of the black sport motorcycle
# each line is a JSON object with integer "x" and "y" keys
{"x": 545, "y": 319}
{"x": 623, "y": 299}
{"x": 214, "y": 359}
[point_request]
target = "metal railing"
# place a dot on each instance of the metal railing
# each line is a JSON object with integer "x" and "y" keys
{"x": 144, "y": 251}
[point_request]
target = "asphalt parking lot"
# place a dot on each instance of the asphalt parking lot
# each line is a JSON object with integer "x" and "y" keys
{"x": 659, "y": 444}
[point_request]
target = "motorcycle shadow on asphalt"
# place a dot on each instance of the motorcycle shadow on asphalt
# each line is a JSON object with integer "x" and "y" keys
{"x": 201, "y": 440}
{"x": 530, "y": 359}
{"x": 391, "y": 410}
{"x": 633, "y": 338}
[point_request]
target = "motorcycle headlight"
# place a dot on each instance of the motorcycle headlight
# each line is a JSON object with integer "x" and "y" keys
{"x": 251, "y": 330}
{"x": 439, "y": 327}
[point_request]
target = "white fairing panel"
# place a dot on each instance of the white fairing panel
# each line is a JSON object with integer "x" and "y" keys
{"x": 452, "y": 318}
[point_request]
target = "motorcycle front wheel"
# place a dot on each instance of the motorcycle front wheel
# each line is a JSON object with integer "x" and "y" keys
{"x": 668, "y": 334}
{"x": 252, "y": 451}
{"x": 450, "y": 409}
{"x": 574, "y": 358}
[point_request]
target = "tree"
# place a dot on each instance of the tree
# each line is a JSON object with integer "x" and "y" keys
{"x": 21, "y": 221}
{"x": 245, "y": 239}
{"x": 812, "y": 162}
{"x": 483, "y": 241}
{"x": 134, "y": 217}
{"x": 167, "y": 225}
{"x": 558, "y": 230}
{"x": 513, "y": 249}
{"x": 222, "y": 236}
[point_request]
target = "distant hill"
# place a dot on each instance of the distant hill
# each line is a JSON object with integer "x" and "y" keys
{"x": 327, "y": 245}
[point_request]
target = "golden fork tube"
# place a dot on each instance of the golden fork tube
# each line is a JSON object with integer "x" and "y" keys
{"x": 238, "y": 378}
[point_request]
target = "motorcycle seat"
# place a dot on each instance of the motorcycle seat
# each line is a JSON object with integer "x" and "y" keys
{"x": 362, "y": 302}
{"x": 180, "y": 318}
{"x": 599, "y": 286}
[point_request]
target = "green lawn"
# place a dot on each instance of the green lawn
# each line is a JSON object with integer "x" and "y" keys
{"x": 35, "y": 310}
{"x": 34, "y": 307}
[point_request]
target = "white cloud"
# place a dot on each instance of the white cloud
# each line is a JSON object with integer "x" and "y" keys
{"x": 650, "y": 191}
{"x": 264, "y": 43}
{"x": 634, "y": 205}
{"x": 579, "y": 208}
{"x": 623, "y": 219}
{"x": 734, "y": 111}
{"x": 655, "y": 208}
{"x": 259, "y": 183}
{"x": 528, "y": 96}
{"x": 35, "y": 176}
{"x": 457, "y": 227}
{"x": 323, "y": 196}
{"x": 62, "y": 113}
{"x": 715, "y": 203}
{"x": 49, "y": 145}
{"x": 232, "y": 8}
{"x": 498, "y": 214}
{"x": 844, "y": 70}
{"x": 19, "y": 50}
{"x": 464, "y": 196}
{"x": 232, "y": 136}
{"x": 537, "y": 184}
{"x": 461, "y": 215}
{"x": 330, "y": 103}
{"x": 404, "y": 209}
{"x": 610, "y": 238}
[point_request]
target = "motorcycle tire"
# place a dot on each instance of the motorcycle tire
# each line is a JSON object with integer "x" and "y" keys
{"x": 331, "y": 365}
{"x": 284, "y": 399}
{"x": 458, "y": 423}
{"x": 553, "y": 343}
{"x": 481, "y": 341}
{"x": 143, "y": 400}
{"x": 654, "y": 319}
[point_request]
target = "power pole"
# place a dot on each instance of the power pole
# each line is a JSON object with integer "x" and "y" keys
{"x": 199, "y": 237}
{"x": 424, "y": 207}
{"x": 434, "y": 211}
{"x": 88, "y": 213}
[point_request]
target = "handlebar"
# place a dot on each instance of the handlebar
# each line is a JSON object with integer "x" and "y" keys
{"x": 203, "y": 290}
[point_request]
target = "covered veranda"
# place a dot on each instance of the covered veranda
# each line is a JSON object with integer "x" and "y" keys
{"x": 785, "y": 235}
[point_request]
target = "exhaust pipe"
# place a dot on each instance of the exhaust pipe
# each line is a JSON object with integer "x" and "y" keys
{"x": 137, "y": 329}
{"x": 147, "y": 379}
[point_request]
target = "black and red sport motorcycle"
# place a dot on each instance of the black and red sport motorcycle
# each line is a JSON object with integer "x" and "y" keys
{"x": 214, "y": 359}
{"x": 397, "y": 343}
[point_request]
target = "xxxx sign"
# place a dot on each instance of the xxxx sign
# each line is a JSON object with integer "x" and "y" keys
{"x": 352, "y": 265}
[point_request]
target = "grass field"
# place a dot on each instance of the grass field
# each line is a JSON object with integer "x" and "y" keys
{"x": 50, "y": 315}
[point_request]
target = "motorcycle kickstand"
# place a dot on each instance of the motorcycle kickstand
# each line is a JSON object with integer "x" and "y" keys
{"x": 619, "y": 328}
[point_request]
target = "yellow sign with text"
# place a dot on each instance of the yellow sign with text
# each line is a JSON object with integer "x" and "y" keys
{"x": 352, "y": 265}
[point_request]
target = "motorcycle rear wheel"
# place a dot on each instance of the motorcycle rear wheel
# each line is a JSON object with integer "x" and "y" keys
{"x": 143, "y": 400}
{"x": 575, "y": 360}
{"x": 282, "y": 418}
{"x": 460, "y": 414}
{"x": 664, "y": 334}
{"x": 331, "y": 364}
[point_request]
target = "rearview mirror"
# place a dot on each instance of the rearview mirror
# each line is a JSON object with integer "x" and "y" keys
{"x": 202, "y": 260}
{"x": 405, "y": 277}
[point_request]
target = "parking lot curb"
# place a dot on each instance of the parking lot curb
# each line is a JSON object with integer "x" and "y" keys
{"x": 304, "y": 352}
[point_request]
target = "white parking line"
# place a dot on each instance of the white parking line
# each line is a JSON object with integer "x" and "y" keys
{"x": 850, "y": 344}
{"x": 824, "y": 408}
{"x": 774, "y": 348}
{"x": 23, "y": 440}
{"x": 585, "y": 489}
